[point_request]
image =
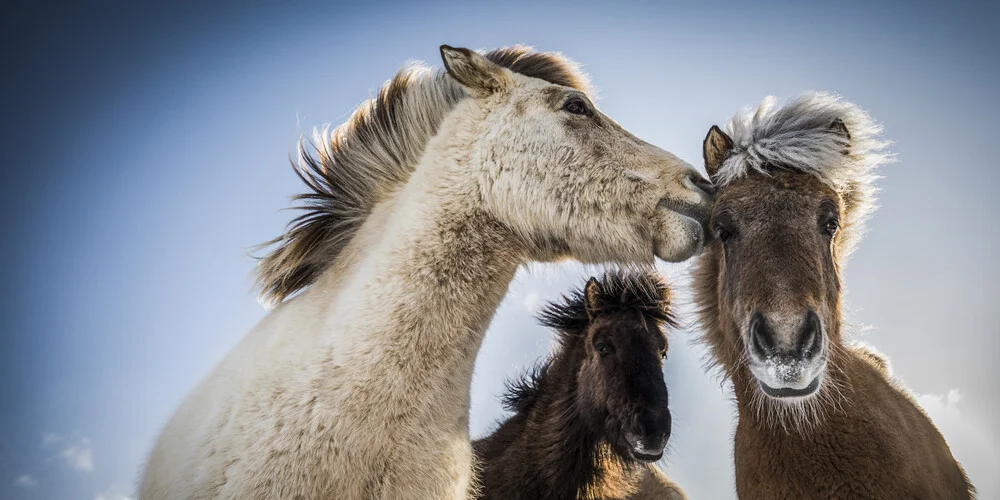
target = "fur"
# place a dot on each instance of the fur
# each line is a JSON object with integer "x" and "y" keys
{"x": 551, "y": 448}
{"x": 349, "y": 170}
{"x": 421, "y": 211}
{"x": 797, "y": 136}
{"x": 783, "y": 177}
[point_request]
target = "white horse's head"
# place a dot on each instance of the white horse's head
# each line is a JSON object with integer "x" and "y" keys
{"x": 567, "y": 179}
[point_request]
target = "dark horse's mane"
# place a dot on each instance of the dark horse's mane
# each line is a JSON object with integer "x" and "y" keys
{"x": 620, "y": 291}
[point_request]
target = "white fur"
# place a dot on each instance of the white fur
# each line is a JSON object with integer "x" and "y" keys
{"x": 359, "y": 386}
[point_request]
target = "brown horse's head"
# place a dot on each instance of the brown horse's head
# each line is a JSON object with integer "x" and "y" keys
{"x": 613, "y": 330}
{"x": 793, "y": 188}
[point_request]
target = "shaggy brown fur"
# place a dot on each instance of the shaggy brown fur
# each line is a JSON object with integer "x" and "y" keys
{"x": 351, "y": 169}
{"x": 578, "y": 417}
{"x": 778, "y": 247}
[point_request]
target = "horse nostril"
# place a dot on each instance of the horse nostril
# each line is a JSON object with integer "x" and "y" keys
{"x": 761, "y": 337}
{"x": 811, "y": 336}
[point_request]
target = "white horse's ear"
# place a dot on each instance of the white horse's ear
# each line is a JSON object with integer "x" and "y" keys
{"x": 592, "y": 297}
{"x": 715, "y": 149}
{"x": 477, "y": 74}
{"x": 840, "y": 129}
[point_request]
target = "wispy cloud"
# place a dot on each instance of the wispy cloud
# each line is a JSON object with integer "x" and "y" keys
{"x": 113, "y": 493}
{"x": 531, "y": 301}
{"x": 25, "y": 481}
{"x": 970, "y": 441}
{"x": 75, "y": 451}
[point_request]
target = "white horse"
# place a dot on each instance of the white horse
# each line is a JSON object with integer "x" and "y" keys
{"x": 423, "y": 205}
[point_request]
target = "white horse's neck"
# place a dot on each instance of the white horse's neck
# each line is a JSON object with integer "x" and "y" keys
{"x": 418, "y": 288}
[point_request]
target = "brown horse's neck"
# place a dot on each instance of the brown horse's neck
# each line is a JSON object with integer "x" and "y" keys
{"x": 547, "y": 449}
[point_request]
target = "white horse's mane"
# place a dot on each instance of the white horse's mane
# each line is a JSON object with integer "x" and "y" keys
{"x": 352, "y": 168}
{"x": 798, "y": 136}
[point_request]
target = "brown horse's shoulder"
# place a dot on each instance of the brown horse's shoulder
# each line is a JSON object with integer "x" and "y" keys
{"x": 913, "y": 445}
{"x": 871, "y": 356}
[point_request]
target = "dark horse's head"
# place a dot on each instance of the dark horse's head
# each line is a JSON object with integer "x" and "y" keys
{"x": 613, "y": 332}
{"x": 793, "y": 189}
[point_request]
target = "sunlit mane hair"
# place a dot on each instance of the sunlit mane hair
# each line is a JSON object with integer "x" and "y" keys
{"x": 620, "y": 291}
{"x": 798, "y": 136}
{"x": 352, "y": 168}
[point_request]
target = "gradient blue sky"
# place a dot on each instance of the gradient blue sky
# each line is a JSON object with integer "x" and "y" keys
{"x": 145, "y": 150}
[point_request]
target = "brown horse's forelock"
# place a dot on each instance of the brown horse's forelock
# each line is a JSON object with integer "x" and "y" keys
{"x": 351, "y": 169}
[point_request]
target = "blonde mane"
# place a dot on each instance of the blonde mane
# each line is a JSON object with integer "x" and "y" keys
{"x": 350, "y": 169}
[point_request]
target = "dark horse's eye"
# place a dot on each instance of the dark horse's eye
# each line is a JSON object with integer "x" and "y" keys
{"x": 831, "y": 226}
{"x": 722, "y": 234}
{"x": 577, "y": 106}
{"x": 602, "y": 348}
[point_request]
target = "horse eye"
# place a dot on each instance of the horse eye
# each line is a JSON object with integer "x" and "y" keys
{"x": 576, "y": 106}
{"x": 830, "y": 228}
{"x": 722, "y": 234}
{"x": 602, "y": 348}
{"x": 663, "y": 354}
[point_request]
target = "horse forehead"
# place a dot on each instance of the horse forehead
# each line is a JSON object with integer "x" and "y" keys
{"x": 630, "y": 325}
{"x": 774, "y": 198}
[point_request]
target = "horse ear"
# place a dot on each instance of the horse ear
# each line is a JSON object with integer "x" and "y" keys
{"x": 840, "y": 129}
{"x": 476, "y": 73}
{"x": 592, "y": 297}
{"x": 716, "y": 147}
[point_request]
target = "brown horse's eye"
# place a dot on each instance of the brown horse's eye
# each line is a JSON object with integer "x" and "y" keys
{"x": 831, "y": 227}
{"x": 663, "y": 354}
{"x": 602, "y": 348}
{"x": 577, "y": 106}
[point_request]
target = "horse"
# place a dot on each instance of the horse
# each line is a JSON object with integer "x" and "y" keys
{"x": 420, "y": 209}
{"x": 587, "y": 421}
{"x": 818, "y": 416}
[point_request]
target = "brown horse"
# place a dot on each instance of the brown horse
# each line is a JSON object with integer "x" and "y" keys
{"x": 818, "y": 418}
{"x": 588, "y": 421}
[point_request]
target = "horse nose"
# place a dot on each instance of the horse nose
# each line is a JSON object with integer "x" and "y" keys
{"x": 655, "y": 425}
{"x": 810, "y": 336}
{"x": 761, "y": 336}
{"x": 802, "y": 344}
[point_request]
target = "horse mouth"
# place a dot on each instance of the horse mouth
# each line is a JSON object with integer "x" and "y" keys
{"x": 790, "y": 392}
{"x": 645, "y": 449}
{"x": 646, "y": 456}
{"x": 696, "y": 213}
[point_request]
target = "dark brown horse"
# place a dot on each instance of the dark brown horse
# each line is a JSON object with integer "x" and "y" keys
{"x": 818, "y": 417}
{"x": 588, "y": 422}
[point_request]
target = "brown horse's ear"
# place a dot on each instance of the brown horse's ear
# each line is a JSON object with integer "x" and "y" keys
{"x": 715, "y": 149}
{"x": 477, "y": 74}
{"x": 840, "y": 129}
{"x": 592, "y": 297}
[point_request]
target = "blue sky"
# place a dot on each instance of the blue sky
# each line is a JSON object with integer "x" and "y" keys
{"x": 145, "y": 150}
